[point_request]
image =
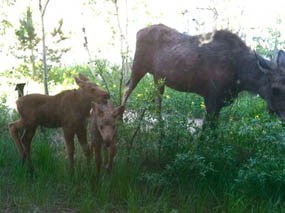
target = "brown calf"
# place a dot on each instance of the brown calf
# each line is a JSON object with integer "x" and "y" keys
{"x": 68, "y": 109}
{"x": 102, "y": 129}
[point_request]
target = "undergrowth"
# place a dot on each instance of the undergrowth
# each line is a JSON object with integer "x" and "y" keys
{"x": 237, "y": 167}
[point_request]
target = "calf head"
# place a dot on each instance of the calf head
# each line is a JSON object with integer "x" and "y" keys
{"x": 91, "y": 89}
{"x": 275, "y": 89}
{"x": 105, "y": 116}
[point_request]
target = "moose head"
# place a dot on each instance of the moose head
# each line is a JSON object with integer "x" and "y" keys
{"x": 275, "y": 86}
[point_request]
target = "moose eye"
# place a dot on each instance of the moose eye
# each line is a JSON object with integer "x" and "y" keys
{"x": 276, "y": 92}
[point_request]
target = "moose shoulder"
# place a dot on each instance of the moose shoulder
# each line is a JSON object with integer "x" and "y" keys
{"x": 216, "y": 65}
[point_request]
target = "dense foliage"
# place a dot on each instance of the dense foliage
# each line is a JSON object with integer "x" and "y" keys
{"x": 167, "y": 165}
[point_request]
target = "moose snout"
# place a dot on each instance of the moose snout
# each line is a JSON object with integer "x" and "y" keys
{"x": 108, "y": 142}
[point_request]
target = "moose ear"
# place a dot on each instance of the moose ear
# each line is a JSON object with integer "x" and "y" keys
{"x": 263, "y": 64}
{"x": 119, "y": 111}
{"x": 83, "y": 77}
{"x": 281, "y": 60}
{"x": 79, "y": 82}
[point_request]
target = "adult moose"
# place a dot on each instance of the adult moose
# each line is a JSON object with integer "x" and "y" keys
{"x": 102, "y": 131}
{"x": 216, "y": 66}
{"x": 68, "y": 109}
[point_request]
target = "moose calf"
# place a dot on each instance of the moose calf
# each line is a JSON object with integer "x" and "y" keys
{"x": 68, "y": 109}
{"x": 102, "y": 129}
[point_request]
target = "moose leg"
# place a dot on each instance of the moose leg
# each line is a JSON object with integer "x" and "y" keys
{"x": 82, "y": 138}
{"x": 69, "y": 144}
{"x": 14, "y": 128}
{"x": 160, "y": 88}
{"x": 131, "y": 84}
{"x": 213, "y": 107}
{"x": 112, "y": 150}
{"x": 210, "y": 120}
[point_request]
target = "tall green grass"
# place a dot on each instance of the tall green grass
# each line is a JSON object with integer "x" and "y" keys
{"x": 236, "y": 167}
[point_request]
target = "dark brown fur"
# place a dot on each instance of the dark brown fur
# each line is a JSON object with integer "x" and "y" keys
{"x": 216, "y": 65}
{"x": 68, "y": 109}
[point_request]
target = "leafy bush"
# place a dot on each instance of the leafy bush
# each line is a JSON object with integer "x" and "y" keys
{"x": 102, "y": 72}
{"x": 263, "y": 177}
{"x": 65, "y": 75}
{"x": 244, "y": 153}
{"x": 4, "y": 114}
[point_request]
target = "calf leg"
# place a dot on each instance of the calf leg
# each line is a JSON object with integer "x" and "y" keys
{"x": 98, "y": 155}
{"x": 26, "y": 140}
{"x": 82, "y": 138}
{"x": 14, "y": 128}
{"x": 112, "y": 150}
{"x": 69, "y": 144}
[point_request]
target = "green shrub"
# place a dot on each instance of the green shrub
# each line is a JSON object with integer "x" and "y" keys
{"x": 244, "y": 154}
{"x": 263, "y": 177}
{"x": 4, "y": 114}
{"x": 65, "y": 75}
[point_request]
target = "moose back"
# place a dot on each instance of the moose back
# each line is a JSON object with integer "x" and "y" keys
{"x": 216, "y": 65}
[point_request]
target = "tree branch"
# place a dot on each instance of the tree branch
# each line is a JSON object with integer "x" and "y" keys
{"x": 43, "y": 11}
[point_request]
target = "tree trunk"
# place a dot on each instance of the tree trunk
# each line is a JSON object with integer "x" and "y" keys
{"x": 124, "y": 47}
{"x": 45, "y": 74}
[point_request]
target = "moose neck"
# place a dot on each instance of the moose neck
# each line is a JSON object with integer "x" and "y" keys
{"x": 85, "y": 100}
{"x": 252, "y": 79}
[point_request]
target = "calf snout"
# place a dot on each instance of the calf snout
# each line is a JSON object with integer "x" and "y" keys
{"x": 108, "y": 137}
{"x": 108, "y": 143}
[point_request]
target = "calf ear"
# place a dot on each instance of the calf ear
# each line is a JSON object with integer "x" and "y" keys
{"x": 79, "y": 82}
{"x": 119, "y": 111}
{"x": 281, "y": 60}
{"x": 83, "y": 77}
